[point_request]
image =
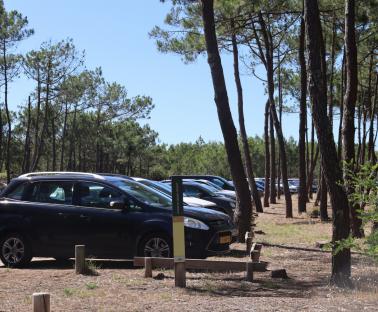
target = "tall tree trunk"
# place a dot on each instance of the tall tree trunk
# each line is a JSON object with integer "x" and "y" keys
{"x": 279, "y": 171}
{"x": 323, "y": 198}
{"x": 365, "y": 107}
{"x": 45, "y": 122}
{"x": 53, "y": 139}
{"x": 36, "y": 126}
{"x": 342, "y": 83}
{"x": 7, "y": 112}
{"x": 98, "y": 147}
{"x": 243, "y": 132}
{"x": 308, "y": 163}
{"x": 267, "y": 156}
{"x": 311, "y": 181}
{"x": 277, "y": 125}
{"x": 26, "y": 159}
{"x": 349, "y": 106}
{"x": 1, "y": 139}
{"x": 273, "y": 193}
{"x": 310, "y": 177}
{"x": 359, "y": 125}
{"x": 63, "y": 137}
{"x": 372, "y": 112}
{"x": 341, "y": 261}
{"x": 243, "y": 212}
{"x": 73, "y": 136}
{"x": 302, "y": 192}
{"x": 331, "y": 77}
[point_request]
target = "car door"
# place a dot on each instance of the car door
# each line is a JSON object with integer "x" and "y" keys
{"x": 107, "y": 230}
{"x": 55, "y": 220}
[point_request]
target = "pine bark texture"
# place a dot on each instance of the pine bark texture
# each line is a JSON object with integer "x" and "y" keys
{"x": 302, "y": 192}
{"x": 350, "y": 99}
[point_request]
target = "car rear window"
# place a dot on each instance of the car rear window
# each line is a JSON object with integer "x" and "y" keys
{"x": 53, "y": 192}
{"x": 17, "y": 192}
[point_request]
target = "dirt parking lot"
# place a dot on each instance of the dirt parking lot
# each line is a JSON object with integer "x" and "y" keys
{"x": 120, "y": 287}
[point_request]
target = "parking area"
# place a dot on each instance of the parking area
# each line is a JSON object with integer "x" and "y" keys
{"x": 120, "y": 287}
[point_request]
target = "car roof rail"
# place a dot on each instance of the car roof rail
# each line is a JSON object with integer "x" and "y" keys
{"x": 102, "y": 174}
{"x": 52, "y": 173}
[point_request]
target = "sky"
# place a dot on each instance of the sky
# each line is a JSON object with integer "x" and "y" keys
{"x": 114, "y": 35}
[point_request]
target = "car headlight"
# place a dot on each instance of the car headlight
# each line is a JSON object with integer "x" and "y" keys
{"x": 195, "y": 224}
{"x": 232, "y": 205}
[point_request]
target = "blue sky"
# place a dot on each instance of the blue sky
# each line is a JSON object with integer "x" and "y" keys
{"x": 114, "y": 34}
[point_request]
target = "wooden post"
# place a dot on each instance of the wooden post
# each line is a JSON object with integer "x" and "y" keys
{"x": 178, "y": 232}
{"x": 80, "y": 259}
{"x": 180, "y": 274}
{"x": 41, "y": 302}
{"x": 248, "y": 242}
{"x": 255, "y": 255}
{"x": 249, "y": 271}
{"x": 148, "y": 267}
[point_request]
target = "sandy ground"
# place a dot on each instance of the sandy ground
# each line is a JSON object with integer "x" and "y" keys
{"x": 120, "y": 287}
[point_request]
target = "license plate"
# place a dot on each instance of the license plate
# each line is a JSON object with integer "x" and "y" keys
{"x": 225, "y": 239}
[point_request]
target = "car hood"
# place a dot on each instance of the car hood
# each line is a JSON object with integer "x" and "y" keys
{"x": 197, "y": 202}
{"x": 204, "y": 214}
{"x": 227, "y": 193}
{"x": 200, "y": 213}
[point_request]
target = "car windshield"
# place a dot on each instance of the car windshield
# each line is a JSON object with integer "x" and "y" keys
{"x": 212, "y": 188}
{"x": 166, "y": 189}
{"x": 208, "y": 189}
{"x": 212, "y": 185}
{"x": 144, "y": 194}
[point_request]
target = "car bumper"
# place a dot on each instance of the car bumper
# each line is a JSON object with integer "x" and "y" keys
{"x": 201, "y": 244}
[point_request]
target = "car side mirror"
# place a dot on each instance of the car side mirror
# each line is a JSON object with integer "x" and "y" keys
{"x": 117, "y": 204}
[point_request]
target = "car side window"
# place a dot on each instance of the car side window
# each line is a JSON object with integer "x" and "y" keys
{"x": 18, "y": 192}
{"x": 92, "y": 194}
{"x": 53, "y": 192}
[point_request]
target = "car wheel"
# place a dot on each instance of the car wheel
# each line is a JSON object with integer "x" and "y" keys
{"x": 156, "y": 245}
{"x": 15, "y": 250}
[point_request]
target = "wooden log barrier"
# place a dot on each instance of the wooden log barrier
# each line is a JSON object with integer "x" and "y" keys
{"x": 201, "y": 265}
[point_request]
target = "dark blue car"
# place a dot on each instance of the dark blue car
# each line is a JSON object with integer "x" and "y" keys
{"x": 47, "y": 214}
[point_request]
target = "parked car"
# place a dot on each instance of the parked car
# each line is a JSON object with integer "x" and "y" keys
{"x": 217, "y": 189}
{"x": 260, "y": 186}
{"x": 195, "y": 189}
{"x": 47, "y": 214}
{"x": 222, "y": 182}
{"x": 167, "y": 190}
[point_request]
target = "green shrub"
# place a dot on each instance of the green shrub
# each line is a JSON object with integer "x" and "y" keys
{"x": 365, "y": 195}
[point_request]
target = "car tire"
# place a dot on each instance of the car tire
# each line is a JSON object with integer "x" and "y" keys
{"x": 15, "y": 250}
{"x": 156, "y": 245}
